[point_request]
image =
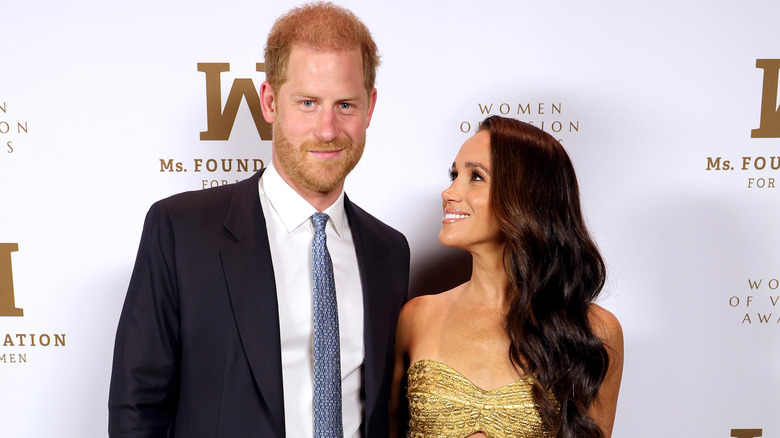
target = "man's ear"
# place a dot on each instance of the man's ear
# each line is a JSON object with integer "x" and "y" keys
{"x": 267, "y": 102}
{"x": 371, "y": 104}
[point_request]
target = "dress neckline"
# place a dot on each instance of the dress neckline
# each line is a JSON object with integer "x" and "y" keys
{"x": 438, "y": 364}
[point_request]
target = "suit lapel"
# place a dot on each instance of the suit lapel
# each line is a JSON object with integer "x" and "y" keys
{"x": 251, "y": 285}
{"x": 376, "y": 301}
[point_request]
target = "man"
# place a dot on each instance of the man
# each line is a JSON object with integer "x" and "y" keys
{"x": 218, "y": 336}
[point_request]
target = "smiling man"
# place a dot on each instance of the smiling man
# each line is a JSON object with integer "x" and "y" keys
{"x": 319, "y": 115}
{"x": 249, "y": 312}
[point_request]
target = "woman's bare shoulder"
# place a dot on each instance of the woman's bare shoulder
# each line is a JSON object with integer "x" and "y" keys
{"x": 423, "y": 307}
{"x": 606, "y": 326}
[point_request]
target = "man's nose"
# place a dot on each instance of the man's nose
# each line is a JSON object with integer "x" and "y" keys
{"x": 327, "y": 126}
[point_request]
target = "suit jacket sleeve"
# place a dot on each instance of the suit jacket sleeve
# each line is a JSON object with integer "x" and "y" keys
{"x": 144, "y": 379}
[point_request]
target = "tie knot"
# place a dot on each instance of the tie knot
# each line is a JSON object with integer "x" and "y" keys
{"x": 319, "y": 219}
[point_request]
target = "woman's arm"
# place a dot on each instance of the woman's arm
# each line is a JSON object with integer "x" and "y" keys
{"x": 608, "y": 328}
{"x": 403, "y": 340}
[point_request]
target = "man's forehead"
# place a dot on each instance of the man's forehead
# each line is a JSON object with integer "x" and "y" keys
{"x": 302, "y": 47}
{"x": 311, "y": 65}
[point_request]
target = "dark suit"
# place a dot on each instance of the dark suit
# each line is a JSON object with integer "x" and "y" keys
{"x": 197, "y": 350}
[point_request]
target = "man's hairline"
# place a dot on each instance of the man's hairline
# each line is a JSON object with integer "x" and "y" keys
{"x": 325, "y": 50}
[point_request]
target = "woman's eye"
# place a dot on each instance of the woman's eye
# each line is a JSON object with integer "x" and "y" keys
{"x": 453, "y": 175}
{"x": 475, "y": 176}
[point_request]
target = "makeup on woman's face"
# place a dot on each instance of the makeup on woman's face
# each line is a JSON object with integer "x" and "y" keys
{"x": 468, "y": 219}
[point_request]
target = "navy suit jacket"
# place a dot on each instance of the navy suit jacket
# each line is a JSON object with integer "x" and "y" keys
{"x": 197, "y": 351}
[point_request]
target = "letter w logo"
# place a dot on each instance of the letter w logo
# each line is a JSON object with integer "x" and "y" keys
{"x": 770, "y": 112}
{"x": 220, "y": 122}
{"x": 7, "y": 306}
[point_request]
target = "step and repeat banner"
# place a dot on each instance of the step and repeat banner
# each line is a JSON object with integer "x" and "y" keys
{"x": 669, "y": 110}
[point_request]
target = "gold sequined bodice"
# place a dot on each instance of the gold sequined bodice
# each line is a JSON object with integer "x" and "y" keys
{"x": 443, "y": 403}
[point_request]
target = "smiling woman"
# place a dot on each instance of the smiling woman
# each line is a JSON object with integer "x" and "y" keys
{"x": 468, "y": 220}
{"x": 519, "y": 350}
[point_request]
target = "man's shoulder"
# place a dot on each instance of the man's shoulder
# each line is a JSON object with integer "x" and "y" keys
{"x": 369, "y": 223}
{"x": 199, "y": 202}
{"x": 197, "y": 199}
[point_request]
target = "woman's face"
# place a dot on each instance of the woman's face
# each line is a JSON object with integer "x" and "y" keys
{"x": 468, "y": 221}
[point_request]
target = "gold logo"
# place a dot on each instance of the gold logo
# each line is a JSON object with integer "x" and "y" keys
{"x": 7, "y": 306}
{"x": 10, "y": 129}
{"x": 547, "y": 116}
{"x": 220, "y": 121}
{"x": 746, "y": 433}
{"x": 770, "y": 112}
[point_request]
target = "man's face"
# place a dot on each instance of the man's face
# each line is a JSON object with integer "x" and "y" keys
{"x": 319, "y": 115}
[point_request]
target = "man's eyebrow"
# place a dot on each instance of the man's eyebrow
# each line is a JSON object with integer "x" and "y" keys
{"x": 349, "y": 97}
{"x": 313, "y": 96}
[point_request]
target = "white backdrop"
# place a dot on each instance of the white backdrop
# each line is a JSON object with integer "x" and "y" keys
{"x": 655, "y": 102}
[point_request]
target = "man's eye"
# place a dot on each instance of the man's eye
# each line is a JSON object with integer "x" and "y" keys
{"x": 307, "y": 103}
{"x": 345, "y": 105}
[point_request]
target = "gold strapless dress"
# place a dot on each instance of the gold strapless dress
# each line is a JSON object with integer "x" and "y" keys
{"x": 443, "y": 403}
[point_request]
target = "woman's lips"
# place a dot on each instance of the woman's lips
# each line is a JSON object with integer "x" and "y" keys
{"x": 453, "y": 215}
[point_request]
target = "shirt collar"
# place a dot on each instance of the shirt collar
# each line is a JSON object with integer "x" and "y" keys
{"x": 292, "y": 208}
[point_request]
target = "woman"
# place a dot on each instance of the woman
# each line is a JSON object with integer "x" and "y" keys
{"x": 520, "y": 350}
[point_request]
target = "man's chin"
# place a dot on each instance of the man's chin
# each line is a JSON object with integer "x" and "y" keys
{"x": 326, "y": 177}
{"x": 323, "y": 183}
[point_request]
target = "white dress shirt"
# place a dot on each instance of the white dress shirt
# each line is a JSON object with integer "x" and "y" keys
{"x": 290, "y": 234}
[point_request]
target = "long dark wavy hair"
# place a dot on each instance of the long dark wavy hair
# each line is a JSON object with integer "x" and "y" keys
{"x": 554, "y": 270}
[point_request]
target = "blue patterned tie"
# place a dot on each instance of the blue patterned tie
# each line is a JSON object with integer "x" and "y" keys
{"x": 327, "y": 360}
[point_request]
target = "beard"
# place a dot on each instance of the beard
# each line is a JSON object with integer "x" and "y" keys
{"x": 318, "y": 175}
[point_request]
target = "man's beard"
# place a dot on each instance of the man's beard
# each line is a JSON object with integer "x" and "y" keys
{"x": 320, "y": 176}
